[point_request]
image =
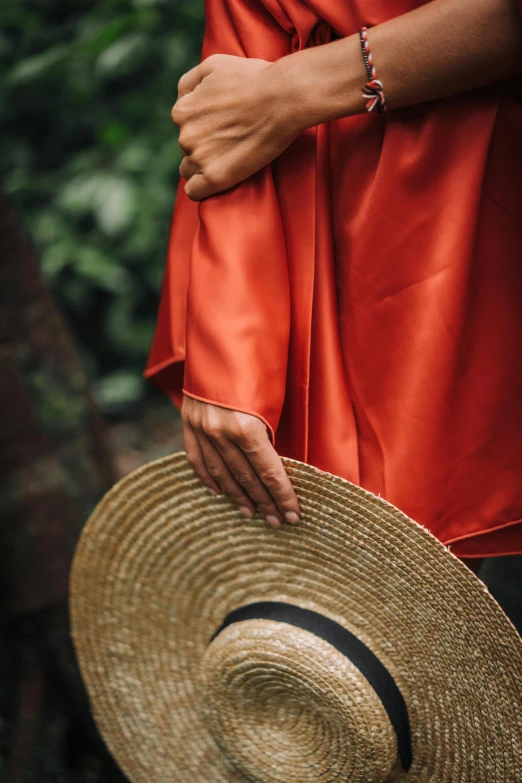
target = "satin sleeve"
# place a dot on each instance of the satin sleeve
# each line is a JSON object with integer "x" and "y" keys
{"x": 223, "y": 325}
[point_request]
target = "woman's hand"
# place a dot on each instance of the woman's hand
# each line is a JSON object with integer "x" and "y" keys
{"x": 231, "y": 453}
{"x": 237, "y": 114}
{"x": 233, "y": 120}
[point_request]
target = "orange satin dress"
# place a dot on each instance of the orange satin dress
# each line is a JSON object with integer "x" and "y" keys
{"x": 363, "y": 293}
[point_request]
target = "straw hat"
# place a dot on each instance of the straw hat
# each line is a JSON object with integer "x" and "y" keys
{"x": 352, "y": 647}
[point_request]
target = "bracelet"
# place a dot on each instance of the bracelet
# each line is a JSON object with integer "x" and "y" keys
{"x": 373, "y": 89}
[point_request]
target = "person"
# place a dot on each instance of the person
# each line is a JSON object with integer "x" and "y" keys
{"x": 344, "y": 277}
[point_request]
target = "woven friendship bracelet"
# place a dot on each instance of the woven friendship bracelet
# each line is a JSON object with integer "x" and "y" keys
{"x": 373, "y": 89}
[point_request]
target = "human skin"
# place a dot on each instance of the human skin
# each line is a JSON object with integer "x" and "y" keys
{"x": 236, "y": 115}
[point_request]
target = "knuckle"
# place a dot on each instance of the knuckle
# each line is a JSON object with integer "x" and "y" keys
{"x": 213, "y": 430}
{"x": 213, "y": 59}
{"x": 184, "y": 139}
{"x": 214, "y": 433}
{"x": 181, "y": 83}
{"x": 195, "y": 423}
{"x": 244, "y": 478}
{"x": 243, "y": 434}
{"x": 272, "y": 477}
{"x": 214, "y": 426}
{"x": 176, "y": 114}
{"x": 214, "y": 471}
{"x": 247, "y": 424}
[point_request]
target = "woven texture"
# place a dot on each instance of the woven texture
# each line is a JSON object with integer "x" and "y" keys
{"x": 161, "y": 563}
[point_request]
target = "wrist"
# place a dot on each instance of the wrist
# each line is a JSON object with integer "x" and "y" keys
{"x": 320, "y": 84}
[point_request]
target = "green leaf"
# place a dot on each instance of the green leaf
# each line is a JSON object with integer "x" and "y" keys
{"x": 79, "y": 194}
{"x": 36, "y": 67}
{"x": 101, "y": 270}
{"x": 123, "y": 56}
{"x": 135, "y": 157}
{"x": 57, "y": 257}
{"x": 90, "y": 156}
{"x": 115, "y": 204}
{"x": 119, "y": 389}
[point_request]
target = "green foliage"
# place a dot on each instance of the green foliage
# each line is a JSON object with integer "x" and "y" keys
{"x": 90, "y": 157}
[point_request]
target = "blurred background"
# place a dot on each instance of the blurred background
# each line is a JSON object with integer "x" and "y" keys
{"x": 88, "y": 171}
{"x": 89, "y": 158}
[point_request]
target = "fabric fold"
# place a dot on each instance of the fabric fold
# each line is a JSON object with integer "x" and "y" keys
{"x": 224, "y": 320}
{"x": 361, "y": 295}
{"x": 238, "y": 310}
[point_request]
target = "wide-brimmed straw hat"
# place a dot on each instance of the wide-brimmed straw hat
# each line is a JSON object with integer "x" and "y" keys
{"x": 351, "y": 647}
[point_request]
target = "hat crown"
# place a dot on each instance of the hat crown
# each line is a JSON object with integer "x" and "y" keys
{"x": 286, "y": 706}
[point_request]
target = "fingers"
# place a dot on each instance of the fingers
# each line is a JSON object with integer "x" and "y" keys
{"x": 221, "y": 474}
{"x": 199, "y": 187}
{"x": 231, "y": 450}
{"x": 247, "y": 479}
{"x": 271, "y": 472}
{"x": 190, "y": 80}
{"x": 188, "y": 168}
{"x": 196, "y": 459}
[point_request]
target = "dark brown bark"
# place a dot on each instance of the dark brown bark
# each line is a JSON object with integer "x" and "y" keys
{"x": 54, "y": 467}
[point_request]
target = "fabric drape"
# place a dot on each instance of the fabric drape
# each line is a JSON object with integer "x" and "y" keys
{"x": 362, "y": 294}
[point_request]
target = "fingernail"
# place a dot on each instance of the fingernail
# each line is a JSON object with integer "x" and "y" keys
{"x": 292, "y": 517}
{"x": 213, "y": 492}
{"x": 247, "y": 512}
{"x": 272, "y": 521}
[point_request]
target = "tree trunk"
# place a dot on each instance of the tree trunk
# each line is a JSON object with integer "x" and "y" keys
{"x": 54, "y": 467}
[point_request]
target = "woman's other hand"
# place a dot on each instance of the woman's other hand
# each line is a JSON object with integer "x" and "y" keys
{"x": 231, "y": 453}
{"x": 233, "y": 120}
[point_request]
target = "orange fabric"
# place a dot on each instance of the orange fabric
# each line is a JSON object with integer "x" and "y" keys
{"x": 363, "y": 293}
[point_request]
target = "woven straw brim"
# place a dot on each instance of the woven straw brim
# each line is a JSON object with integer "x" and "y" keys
{"x": 161, "y": 563}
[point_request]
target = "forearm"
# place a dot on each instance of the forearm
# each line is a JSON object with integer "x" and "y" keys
{"x": 442, "y": 48}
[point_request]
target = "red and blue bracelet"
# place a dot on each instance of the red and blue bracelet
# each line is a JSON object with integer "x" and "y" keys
{"x": 373, "y": 90}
